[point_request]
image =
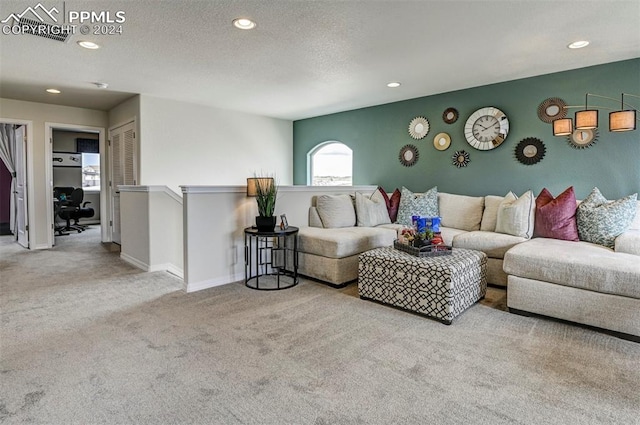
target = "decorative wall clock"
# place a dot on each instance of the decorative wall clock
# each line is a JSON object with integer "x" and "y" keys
{"x": 442, "y": 141}
{"x": 418, "y": 127}
{"x": 486, "y": 128}
{"x": 408, "y": 155}
{"x": 530, "y": 151}
{"x": 461, "y": 159}
{"x": 450, "y": 115}
{"x": 582, "y": 139}
{"x": 552, "y": 109}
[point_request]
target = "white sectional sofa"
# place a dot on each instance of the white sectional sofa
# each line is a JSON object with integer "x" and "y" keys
{"x": 331, "y": 254}
{"x": 575, "y": 281}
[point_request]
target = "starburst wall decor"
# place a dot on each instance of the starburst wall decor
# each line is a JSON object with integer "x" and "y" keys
{"x": 461, "y": 159}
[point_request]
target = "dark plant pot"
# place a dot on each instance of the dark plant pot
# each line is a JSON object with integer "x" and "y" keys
{"x": 265, "y": 224}
{"x": 417, "y": 243}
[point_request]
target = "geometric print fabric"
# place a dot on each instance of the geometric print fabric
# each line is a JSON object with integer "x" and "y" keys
{"x": 441, "y": 287}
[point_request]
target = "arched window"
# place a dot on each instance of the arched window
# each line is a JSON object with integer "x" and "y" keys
{"x": 330, "y": 164}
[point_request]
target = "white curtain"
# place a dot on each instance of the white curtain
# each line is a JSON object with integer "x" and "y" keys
{"x": 8, "y": 156}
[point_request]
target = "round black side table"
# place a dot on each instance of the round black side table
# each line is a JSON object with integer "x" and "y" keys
{"x": 271, "y": 258}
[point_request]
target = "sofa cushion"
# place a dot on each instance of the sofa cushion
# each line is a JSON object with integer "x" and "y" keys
{"x": 449, "y": 234}
{"x": 516, "y": 215}
{"x": 600, "y": 221}
{"x": 371, "y": 210}
{"x": 314, "y": 218}
{"x": 491, "y": 243}
{"x": 556, "y": 217}
{"x": 628, "y": 242}
{"x": 343, "y": 242}
{"x": 577, "y": 264}
{"x": 393, "y": 203}
{"x": 460, "y": 212}
{"x": 490, "y": 214}
{"x": 422, "y": 204}
{"x": 336, "y": 211}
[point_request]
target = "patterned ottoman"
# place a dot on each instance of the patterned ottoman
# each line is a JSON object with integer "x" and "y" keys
{"x": 440, "y": 287}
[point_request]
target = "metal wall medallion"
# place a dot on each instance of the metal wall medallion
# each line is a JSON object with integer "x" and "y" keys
{"x": 582, "y": 139}
{"x": 552, "y": 109}
{"x": 408, "y": 155}
{"x": 442, "y": 141}
{"x": 461, "y": 159}
{"x": 450, "y": 115}
{"x": 418, "y": 127}
{"x": 530, "y": 151}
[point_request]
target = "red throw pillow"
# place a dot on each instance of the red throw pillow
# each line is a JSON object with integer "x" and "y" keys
{"x": 556, "y": 218}
{"x": 393, "y": 203}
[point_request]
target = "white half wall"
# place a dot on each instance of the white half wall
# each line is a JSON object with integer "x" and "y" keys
{"x": 188, "y": 144}
{"x": 214, "y": 221}
{"x": 151, "y": 228}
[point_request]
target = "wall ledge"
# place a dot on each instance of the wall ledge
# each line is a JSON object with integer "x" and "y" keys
{"x": 149, "y": 189}
{"x": 296, "y": 188}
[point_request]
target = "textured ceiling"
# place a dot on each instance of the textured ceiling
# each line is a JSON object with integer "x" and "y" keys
{"x": 309, "y": 58}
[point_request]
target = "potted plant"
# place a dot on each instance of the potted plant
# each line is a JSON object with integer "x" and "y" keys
{"x": 266, "y": 191}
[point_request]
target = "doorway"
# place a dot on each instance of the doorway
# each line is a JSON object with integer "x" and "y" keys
{"x": 15, "y": 173}
{"x": 76, "y": 159}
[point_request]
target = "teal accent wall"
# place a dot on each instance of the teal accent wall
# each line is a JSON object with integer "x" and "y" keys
{"x": 377, "y": 134}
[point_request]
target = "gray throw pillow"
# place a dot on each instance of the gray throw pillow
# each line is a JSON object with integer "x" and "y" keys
{"x": 371, "y": 211}
{"x": 336, "y": 211}
{"x": 600, "y": 221}
{"x": 422, "y": 204}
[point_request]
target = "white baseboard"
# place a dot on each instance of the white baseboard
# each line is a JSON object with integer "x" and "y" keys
{"x": 41, "y": 246}
{"x": 210, "y": 283}
{"x": 167, "y": 267}
{"x": 135, "y": 262}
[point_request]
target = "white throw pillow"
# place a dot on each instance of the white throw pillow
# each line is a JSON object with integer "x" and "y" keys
{"x": 336, "y": 211}
{"x": 490, "y": 214}
{"x": 460, "y": 211}
{"x": 516, "y": 215}
{"x": 371, "y": 211}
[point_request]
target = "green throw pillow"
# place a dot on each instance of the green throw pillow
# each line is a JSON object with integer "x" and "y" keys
{"x": 601, "y": 221}
{"x": 422, "y": 204}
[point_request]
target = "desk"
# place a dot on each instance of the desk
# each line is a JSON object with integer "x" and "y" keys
{"x": 271, "y": 258}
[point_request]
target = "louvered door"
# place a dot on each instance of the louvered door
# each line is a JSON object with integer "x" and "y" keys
{"x": 122, "y": 141}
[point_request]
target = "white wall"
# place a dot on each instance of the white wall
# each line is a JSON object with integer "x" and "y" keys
{"x": 39, "y": 114}
{"x": 214, "y": 222}
{"x": 151, "y": 226}
{"x": 187, "y": 144}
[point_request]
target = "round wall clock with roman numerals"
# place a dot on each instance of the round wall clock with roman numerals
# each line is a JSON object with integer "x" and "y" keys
{"x": 486, "y": 128}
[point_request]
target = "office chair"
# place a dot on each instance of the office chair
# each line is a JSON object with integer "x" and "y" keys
{"x": 77, "y": 196}
{"x": 62, "y": 208}
{"x": 70, "y": 207}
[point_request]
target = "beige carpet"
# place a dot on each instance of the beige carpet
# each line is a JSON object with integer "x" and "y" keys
{"x": 87, "y": 339}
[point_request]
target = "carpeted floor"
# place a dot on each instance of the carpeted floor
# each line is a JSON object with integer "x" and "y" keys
{"x": 88, "y": 339}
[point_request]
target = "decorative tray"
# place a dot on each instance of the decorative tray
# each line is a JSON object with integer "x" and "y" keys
{"x": 423, "y": 251}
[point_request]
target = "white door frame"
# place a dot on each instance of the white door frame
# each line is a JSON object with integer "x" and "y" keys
{"x": 104, "y": 176}
{"x": 30, "y": 219}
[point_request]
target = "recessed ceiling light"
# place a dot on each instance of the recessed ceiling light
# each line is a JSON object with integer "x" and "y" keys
{"x": 101, "y": 85}
{"x": 578, "y": 44}
{"x": 88, "y": 45}
{"x": 393, "y": 85}
{"x": 53, "y": 91}
{"x": 244, "y": 23}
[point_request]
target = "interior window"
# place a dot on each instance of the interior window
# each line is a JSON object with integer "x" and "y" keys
{"x": 330, "y": 164}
